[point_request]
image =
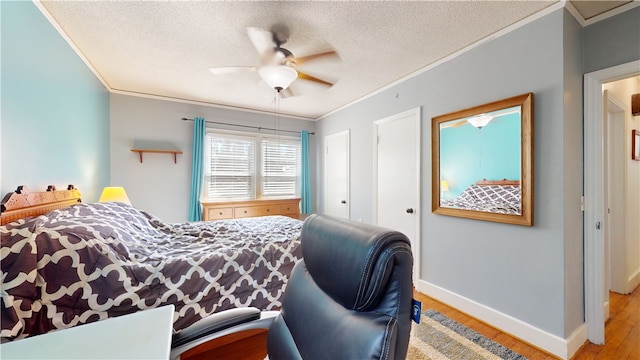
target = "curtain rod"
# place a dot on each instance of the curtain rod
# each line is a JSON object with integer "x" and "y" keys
{"x": 249, "y": 126}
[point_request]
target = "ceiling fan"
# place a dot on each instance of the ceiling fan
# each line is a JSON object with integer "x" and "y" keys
{"x": 278, "y": 66}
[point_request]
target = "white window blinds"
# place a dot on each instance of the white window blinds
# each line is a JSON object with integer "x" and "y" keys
{"x": 280, "y": 167}
{"x": 250, "y": 166}
{"x": 231, "y": 168}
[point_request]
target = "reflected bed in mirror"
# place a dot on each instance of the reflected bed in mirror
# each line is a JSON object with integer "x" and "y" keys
{"x": 483, "y": 162}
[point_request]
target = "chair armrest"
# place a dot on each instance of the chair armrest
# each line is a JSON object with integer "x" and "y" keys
{"x": 214, "y": 323}
{"x": 220, "y": 324}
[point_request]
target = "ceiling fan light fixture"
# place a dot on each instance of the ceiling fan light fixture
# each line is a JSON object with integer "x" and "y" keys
{"x": 480, "y": 121}
{"x": 278, "y": 76}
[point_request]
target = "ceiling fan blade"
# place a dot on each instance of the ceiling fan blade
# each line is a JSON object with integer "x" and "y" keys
{"x": 261, "y": 39}
{"x": 303, "y": 59}
{"x": 305, "y": 76}
{"x": 223, "y": 70}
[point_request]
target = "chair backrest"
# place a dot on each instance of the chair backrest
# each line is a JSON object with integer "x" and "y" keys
{"x": 349, "y": 297}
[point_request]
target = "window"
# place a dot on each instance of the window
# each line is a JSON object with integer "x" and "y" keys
{"x": 251, "y": 166}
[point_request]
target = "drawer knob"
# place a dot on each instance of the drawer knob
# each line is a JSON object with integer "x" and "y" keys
{"x": 267, "y": 210}
{"x": 220, "y": 212}
{"x": 245, "y": 211}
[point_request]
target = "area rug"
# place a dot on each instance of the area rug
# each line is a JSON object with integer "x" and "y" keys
{"x": 439, "y": 338}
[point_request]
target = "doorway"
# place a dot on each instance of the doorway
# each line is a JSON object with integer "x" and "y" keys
{"x": 396, "y": 176}
{"x": 595, "y": 110}
{"x": 336, "y": 174}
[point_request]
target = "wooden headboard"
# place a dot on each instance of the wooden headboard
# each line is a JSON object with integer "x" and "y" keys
{"x": 498, "y": 182}
{"x": 23, "y": 203}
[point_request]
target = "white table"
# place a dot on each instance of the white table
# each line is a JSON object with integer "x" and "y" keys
{"x": 141, "y": 335}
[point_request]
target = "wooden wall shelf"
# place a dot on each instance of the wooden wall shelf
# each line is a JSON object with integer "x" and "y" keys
{"x": 174, "y": 152}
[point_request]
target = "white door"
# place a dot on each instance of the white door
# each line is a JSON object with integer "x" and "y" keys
{"x": 336, "y": 174}
{"x": 397, "y": 176}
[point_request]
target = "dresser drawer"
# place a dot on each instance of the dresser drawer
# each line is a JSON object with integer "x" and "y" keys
{"x": 253, "y": 211}
{"x": 289, "y": 209}
{"x": 218, "y": 213}
{"x": 251, "y": 208}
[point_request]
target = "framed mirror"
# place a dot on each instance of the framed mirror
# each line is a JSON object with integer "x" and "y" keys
{"x": 482, "y": 162}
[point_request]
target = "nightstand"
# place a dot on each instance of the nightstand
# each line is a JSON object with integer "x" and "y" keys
{"x": 141, "y": 335}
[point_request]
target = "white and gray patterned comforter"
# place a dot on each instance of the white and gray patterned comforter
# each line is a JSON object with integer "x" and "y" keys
{"x": 93, "y": 261}
{"x": 502, "y": 199}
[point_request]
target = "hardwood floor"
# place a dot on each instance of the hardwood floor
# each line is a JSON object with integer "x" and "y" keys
{"x": 622, "y": 331}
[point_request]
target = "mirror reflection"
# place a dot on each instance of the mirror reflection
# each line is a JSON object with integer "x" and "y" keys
{"x": 482, "y": 162}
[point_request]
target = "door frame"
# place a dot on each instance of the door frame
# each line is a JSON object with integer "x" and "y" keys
{"x": 593, "y": 194}
{"x": 324, "y": 157}
{"x": 418, "y": 134}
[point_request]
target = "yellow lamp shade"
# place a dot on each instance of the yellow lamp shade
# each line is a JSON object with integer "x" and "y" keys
{"x": 114, "y": 193}
{"x": 444, "y": 186}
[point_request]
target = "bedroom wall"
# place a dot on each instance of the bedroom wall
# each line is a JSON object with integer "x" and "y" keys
{"x": 514, "y": 270}
{"x": 158, "y": 185}
{"x": 573, "y": 179}
{"x": 55, "y": 112}
{"x": 611, "y": 42}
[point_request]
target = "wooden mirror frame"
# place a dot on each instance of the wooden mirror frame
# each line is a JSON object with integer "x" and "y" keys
{"x": 525, "y": 217}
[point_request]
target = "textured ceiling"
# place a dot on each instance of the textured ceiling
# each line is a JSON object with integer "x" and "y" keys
{"x": 166, "y": 48}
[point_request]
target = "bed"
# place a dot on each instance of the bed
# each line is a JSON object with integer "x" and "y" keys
{"x": 86, "y": 262}
{"x": 496, "y": 196}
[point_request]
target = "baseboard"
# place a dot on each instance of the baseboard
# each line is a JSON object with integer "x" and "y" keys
{"x": 554, "y": 345}
{"x": 575, "y": 341}
{"x": 633, "y": 281}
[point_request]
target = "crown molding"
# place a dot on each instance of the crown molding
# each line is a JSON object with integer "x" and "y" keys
{"x": 208, "y": 104}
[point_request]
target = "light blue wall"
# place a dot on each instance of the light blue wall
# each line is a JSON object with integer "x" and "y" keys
{"x": 468, "y": 154}
{"x": 55, "y": 112}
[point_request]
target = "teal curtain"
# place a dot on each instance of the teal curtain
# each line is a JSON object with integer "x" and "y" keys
{"x": 197, "y": 169}
{"x": 305, "y": 203}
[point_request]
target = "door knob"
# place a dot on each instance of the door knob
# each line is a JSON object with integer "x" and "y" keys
{"x": 409, "y": 211}
{"x": 343, "y": 202}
